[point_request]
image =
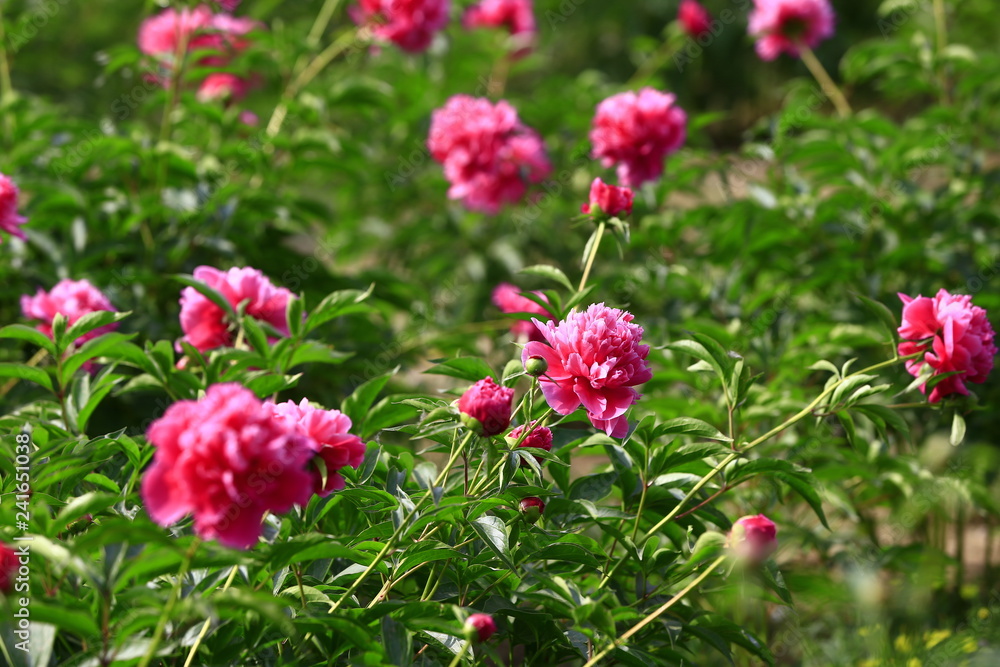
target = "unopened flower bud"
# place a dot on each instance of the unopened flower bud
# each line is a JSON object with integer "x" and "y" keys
{"x": 486, "y": 407}
{"x": 480, "y": 627}
{"x": 753, "y": 538}
{"x": 532, "y": 508}
{"x": 536, "y": 366}
{"x": 540, "y": 437}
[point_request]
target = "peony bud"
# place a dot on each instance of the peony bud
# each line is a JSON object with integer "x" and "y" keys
{"x": 480, "y": 627}
{"x": 532, "y": 509}
{"x": 694, "y": 18}
{"x": 539, "y": 438}
{"x": 608, "y": 200}
{"x": 486, "y": 407}
{"x": 753, "y": 538}
{"x": 536, "y": 366}
{"x": 8, "y": 568}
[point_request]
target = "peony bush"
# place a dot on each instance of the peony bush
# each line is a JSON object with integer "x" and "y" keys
{"x": 498, "y": 333}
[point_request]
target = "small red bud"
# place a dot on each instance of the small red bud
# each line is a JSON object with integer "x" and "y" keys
{"x": 532, "y": 508}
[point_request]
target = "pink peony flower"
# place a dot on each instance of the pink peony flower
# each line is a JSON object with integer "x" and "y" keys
{"x": 162, "y": 34}
{"x": 72, "y": 298}
{"x": 508, "y": 299}
{"x": 204, "y": 323}
{"x": 517, "y": 16}
{"x": 411, "y": 24}
{"x": 753, "y": 538}
{"x": 480, "y": 626}
{"x": 487, "y": 153}
{"x": 489, "y": 405}
{"x": 637, "y": 132}
{"x": 694, "y": 18}
{"x": 609, "y": 200}
{"x": 334, "y": 444}
{"x": 962, "y": 341}
{"x": 226, "y": 460}
{"x": 595, "y": 359}
{"x": 229, "y": 5}
{"x": 783, "y": 25}
{"x": 10, "y": 221}
{"x": 220, "y": 85}
{"x": 540, "y": 438}
{"x": 9, "y": 563}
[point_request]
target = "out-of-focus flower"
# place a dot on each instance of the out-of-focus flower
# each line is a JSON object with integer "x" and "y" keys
{"x": 961, "y": 340}
{"x": 608, "y": 200}
{"x": 637, "y": 132}
{"x": 539, "y": 438}
{"x": 595, "y": 359}
{"x": 480, "y": 627}
{"x": 410, "y": 24}
{"x": 205, "y": 324}
{"x": 781, "y": 26}
{"x": 73, "y": 299}
{"x": 10, "y": 220}
{"x": 489, "y": 405}
{"x": 488, "y": 155}
{"x": 335, "y": 445}
{"x": 9, "y": 563}
{"x": 517, "y": 16}
{"x": 226, "y": 460}
{"x": 753, "y": 538}
{"x": 221, "y": 86}
{"x": 694, "y": 18}
{"x": 508, "y": 299}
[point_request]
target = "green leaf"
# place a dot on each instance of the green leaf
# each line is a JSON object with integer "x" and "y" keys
{"x": 881, "y": 313}
{"x": 256, "y": 337}
{"x": 209, "y": 293}
{"x": 29, "y": 373}
{"x": 23, "y": 332}
{"x": 89, "y": 503}
{"x": 472, "y": 369}
{"x": 593, "y": 487}
{"x": 690, "y": 426}
{"x": 88, "y": 323}
{"x": 357, "y": 405}
{"x": 312, "y": 352}
{"x": 295, "y": 316}
{"x": 550, "y": 272}
{"x": 805, "y": 487}
{"x": 337, "y": 304}
{"x": 91, "y": 349}
{"x": 493, "y": 532}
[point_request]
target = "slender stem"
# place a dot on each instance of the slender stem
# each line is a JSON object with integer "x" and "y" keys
{"x": 302, "y": 589}
{"x": 168, "y": 608}
{"x": 941, "y": 24}
{"x": 824, "y": 81}
{"x": 322, "y": 20}
{"x": 479, "y": 484}
{"x": 6, "y": 87}
{"x": 656, "y": 614}
{"x": 461, "y": 654}
{"x": 208, "y": 622}
{"x": 590, "y": 259}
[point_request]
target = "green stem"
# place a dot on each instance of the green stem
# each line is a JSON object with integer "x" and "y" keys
{"x": 168, "y": 608}
{"x": 322, "y": 20}
{"x": 628, "y": 634}
{"x": 208, "y": 622}
{"x": 825, "y": 82}
{"x": 479, "y": 484}
{"x": 590, "y": 258}
{"x": 6, "y": 87}
{"x": 941, "y": 25}
{"x": 461, "y": 654}
{"x": 806, "y": 411}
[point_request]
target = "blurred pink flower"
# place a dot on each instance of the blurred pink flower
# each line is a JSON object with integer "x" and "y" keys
{"x": 487, "y": 153}
{"x": 205, "y": 324}
{"x": 229, "y": 5}
{"x": 489, "y": 404}
{"x": 226, "y": 460}
{"x": 220, "y": 85}
{"x": 410, "y": 24}
{"x": 962, "y": 340}
{"x": 328, "y": 429}
{"x": 609, "y": 200}
{"x": 162, "y": 34}
{"x": 480, "y": 626}
{"x": 517, "y": 16}
{"x": 637, "y": 132}
{"x": 10, "y": 220}
{"x": 540, "y": 438}
{"x": 595, "y": 359}
{"x": 508, "y": 299}
{"x": 9, "y": 563}
{"x": 249, "y": 118}
{"x": 72, "y": 298}
{"x": 694, "y": 18}
{"x": 753, "y": 538}
{"x": 782, "y": 25}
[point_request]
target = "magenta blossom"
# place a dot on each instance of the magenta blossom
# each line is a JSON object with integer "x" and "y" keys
{"x": 961, "y": 340}
{"x": 480, "y": 626}
{"x": 595, "y": 359}
{"x": 205, "y": 324}
{"x": 71, "y": 298}
{"x": 753, "y": 538}
{"x": 489, "y": 156}
{"x": 508, "y": 299}
{"x": 538, "y": 438}
{"x": 517, "y": 16}
{"x": 10, "y": 220}
{"x": 637, "y": 132}
{"x": 608, "y": 200}
{"x": 226, "y": 460}
{"x": 694, "y": 18}
{"x": 410, "y": 24}
{"x": 781, "y": 26}
{"x": 489, "y": 405}
{"x": 334, "y": 444}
